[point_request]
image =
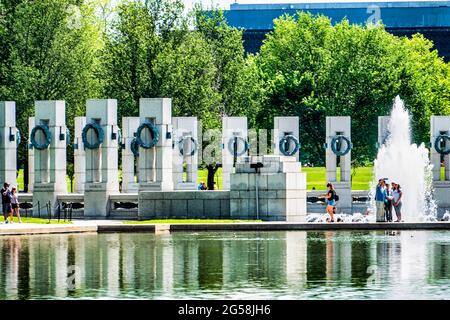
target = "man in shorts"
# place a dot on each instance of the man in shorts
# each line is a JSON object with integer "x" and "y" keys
{"x": 6, "y": 201}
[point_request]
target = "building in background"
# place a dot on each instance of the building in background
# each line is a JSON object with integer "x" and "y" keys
{"x": 431, "y": 18}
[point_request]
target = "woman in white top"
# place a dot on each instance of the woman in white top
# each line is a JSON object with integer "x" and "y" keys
{"x": 397, "y": 197}
{"x": 15, "y": 204}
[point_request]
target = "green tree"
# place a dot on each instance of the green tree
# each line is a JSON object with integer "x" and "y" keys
{"x": 50, "y": 53}
{"x": 187, "y": 73}
{"x": 141, "y": 31}
{"x": 236, "y": 76}
{"x": 237, "y": 79}
{"x": 313, "y": 69}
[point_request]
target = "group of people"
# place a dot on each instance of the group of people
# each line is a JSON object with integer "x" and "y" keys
{"x": 10, "y": 203}
{"x": 203, "y": 186}
{"x": 388, "y": 196}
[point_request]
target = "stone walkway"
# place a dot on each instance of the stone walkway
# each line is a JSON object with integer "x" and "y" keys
{"x": 118, "y": 226}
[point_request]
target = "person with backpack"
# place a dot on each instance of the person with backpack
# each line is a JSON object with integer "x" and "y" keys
{"x": 331, "y": 197}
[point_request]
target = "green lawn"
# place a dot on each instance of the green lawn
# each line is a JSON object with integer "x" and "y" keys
{"x": 316, "y": 177}
{"x": 203, "y": 176}
{"x": 39, "y": 221}
{"x": 175, "y": 221}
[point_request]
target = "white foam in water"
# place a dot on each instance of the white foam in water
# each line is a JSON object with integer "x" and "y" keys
{"x": 407, "y": 164}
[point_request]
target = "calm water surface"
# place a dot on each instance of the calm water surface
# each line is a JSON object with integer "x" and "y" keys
{"x": 241, "y": 265}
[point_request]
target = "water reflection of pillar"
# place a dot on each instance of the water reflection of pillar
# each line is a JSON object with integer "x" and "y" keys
{"x": 93, "y": 254}
{"x": 80, "y": 261}
{"x": 227, "y": 270}
{"x": 192, "y": 275}
{"x": 345, "y": 259}
{"x": 113, "y": 265}
{"x": 60, "y": 265}
{"x": 240, "y": 261}
{"x": 185, "y": 269}
{"x": 373, "y": 260}
{"x": 329, "y": 255}
{"x": 413, "y": 263}
{"x": 40, "y": 266}
{"x": 439, "y": 260}
{"x": 12, "y": 248}
{"x": 296, "y": 259}
{"x": 146, "y": 262}
{"x": 128, "y": 261}
{"x": 31, "y": 265}
{"x": 167, "y": 272}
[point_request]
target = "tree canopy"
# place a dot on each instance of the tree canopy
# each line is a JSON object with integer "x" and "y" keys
{"x": 313, "y": 69}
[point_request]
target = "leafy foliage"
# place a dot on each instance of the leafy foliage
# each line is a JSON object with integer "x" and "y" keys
{"x": 313, "y": 69}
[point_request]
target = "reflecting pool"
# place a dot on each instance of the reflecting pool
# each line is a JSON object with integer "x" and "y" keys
{"x": 241, "y": 265}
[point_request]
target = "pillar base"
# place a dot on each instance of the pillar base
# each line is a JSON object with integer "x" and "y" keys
{"x": 96, "y": 204}
{"x": 442, "y": 196}
{"x": 130, "y": 187}
{"x": 344, "y": 191}
{"x": 156, "y": 186}
{"x": 42, "y": 194}
{"x": 96, "y": 199}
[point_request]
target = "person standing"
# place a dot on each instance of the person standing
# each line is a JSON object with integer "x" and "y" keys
{"x": 397, "y": 200}
{"x": 15, "y": 204}
{"x": 388, "y": 203}
{"x": 330, "y": 199}
{"x": 6, "y": 201}
{"x": 380, "y": 197}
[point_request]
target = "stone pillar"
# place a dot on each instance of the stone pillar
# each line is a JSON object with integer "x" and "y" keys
{"x": 101, "y": 163}
{"x": 8, "y": 143}
{"x": 232, "y": 128}
{"x": 30, "y": 148}
{"x": 284, "y": 126}
{"x": 276, "y": 193}
{"x": 185, "y": 140}
{"x": 440, "y": 125}
{"x": 339, "y": 126}
{"x": 79, "y": 155}
{"x": 383, "y": 130}
{"x": 155, "y": 164}
{"x": 50, "y": 163}
{"x": 129, "y": 160}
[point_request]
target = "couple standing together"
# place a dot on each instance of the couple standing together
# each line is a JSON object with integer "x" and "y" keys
{"x": 10, "y": 203}
{"x": 386, "y": 198}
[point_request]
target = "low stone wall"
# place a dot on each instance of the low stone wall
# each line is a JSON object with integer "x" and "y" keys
{"x": 184, "y": 205}
{"x": 281, "y": 196}
{"x": 276, "y": 193}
